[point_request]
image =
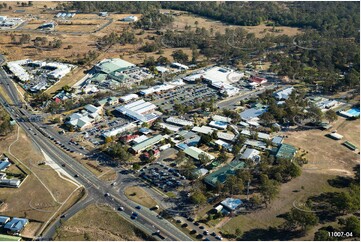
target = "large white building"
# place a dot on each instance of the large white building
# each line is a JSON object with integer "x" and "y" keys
{"x": 139, "y": 110}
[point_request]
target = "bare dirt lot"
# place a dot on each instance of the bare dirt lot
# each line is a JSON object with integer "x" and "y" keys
{"x": 86, "y": 225}
{"x": 326, "y": 155}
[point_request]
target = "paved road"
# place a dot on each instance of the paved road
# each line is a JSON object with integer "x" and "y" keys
{"x": 147, "y": 220}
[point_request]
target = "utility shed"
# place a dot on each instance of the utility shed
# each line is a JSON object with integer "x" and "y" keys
{"x": 286, "y": 151}
{"x": 335, "y": 136}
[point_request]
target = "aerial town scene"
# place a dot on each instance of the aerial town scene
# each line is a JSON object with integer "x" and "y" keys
{"x": 179, "y": 121}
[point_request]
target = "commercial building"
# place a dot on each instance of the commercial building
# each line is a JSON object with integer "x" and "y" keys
{"x": 4, "y": 164}
{"x": 128, "y": 97}
{"x": 195, "y": 152}
{"x": 162, "y": 88}
{"x": 148, "y": 143}
{"x": 119, "y": 130}
{"x": 180, "y": 122}
{"x": 110, "y": 65}
{"x": 140, "y": 110}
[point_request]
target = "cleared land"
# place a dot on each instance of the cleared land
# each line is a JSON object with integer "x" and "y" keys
{"x": 32, "y": 199}
{"x": 326, "y": 155}
{"x": 140, "y": 196}
{"x": 97, "y": 224}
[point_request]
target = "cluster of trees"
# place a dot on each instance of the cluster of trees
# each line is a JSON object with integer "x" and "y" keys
{"x": 118, "y": 152}
{"x": 23, "y": 39}
{"x": 329, "y": 207}
{"x": 5, "y": 126}
{"x": 126, "y": 37}
{"x": 339, "y": 16}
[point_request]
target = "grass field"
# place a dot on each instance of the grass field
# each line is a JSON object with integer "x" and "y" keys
{"x": 32, "y": 199}
{"x": 94, "y": 224}
{"x": 140, "y": 196}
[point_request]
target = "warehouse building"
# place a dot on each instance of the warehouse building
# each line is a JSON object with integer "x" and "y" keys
{"x": 140, "y": 110}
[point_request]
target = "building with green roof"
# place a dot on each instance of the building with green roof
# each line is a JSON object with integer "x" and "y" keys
{"x": 221, "y": 174}
{"x": 147, "y": 143}
{"x": 108, "y": 66}
{"x": 286, "y": 151}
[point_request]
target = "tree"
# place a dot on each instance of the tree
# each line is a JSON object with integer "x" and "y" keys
{"x": 331, "y": 115}
{"x": 238, "y": 233}
{"x": 323, "y": 235}
{"x": 198, "y": 197}
{"x": 352, "y": 224}
{"x": 269, "y": 189}
{"x": 256, "y": 201}
{"x": 233, "y": 185}
{"x": 180, "y": 56}
{"x": 136, "y": 166}
{"x": 204, "y": 158}
{"x": 222, "y": 157}
{"x": 299, "y": 218}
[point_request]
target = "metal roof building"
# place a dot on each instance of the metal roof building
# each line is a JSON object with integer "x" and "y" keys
{"x": 16, "y": 225}
{"x": 286, "y": 151}
{"x": 110, "y": 65}
{"x": 221, "y": 174}
{"x": 231, "y": 203}
{"x": 147, "y": 143}
{"x": 194, "y": 152}
{"x": 203, "y": 129}
{"x": 139, "y": 110}
{"x": 252, "y": 113}
{"x": 178, "y": 121}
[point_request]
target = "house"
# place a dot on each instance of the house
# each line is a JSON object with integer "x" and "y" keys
{"x": 108, "y": 101}
{"x": 194, "y": 152}
{"x": 278, "y": 140}
{"x": 16, "y": 225}
{"x": 103, "y": 14}
{"x": 226, "y": 136}
{"x": 4, "y": 164}
{"x": 283, "y": 94}
{"x": 4, "y": 220}
{"x": 92, "y": 109}
{"x": 219, "y": 124}
{"x": 231, "y": 203}
{"x": 252, "y": 113}
{"x": 224, "y": 144}
{"x": 251, "y": 154}
{"x": 286, "y": 151}
{"x": 204, "y": 129}
{"x": 257, "y": 81}
{"x": 221, "y": 118}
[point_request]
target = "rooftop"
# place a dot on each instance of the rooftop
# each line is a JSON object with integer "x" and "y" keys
{"x": 221, "y": 174}
{"x": 286, "y": 151}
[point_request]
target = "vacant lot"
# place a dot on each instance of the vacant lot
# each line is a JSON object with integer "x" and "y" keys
{"x": 95, "y": 224}
{"x": 313, "y": 184}
{"x": 326, "y": 155}
{"x": 140, "y": 196}
{"x": 32, "y": 199}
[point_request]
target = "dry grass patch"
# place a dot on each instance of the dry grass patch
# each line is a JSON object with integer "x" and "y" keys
{"x": 86, "y": 225}
{"x": 140, "y": 196}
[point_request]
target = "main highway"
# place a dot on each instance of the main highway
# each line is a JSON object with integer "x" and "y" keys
{"x": 147, "y": 220}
